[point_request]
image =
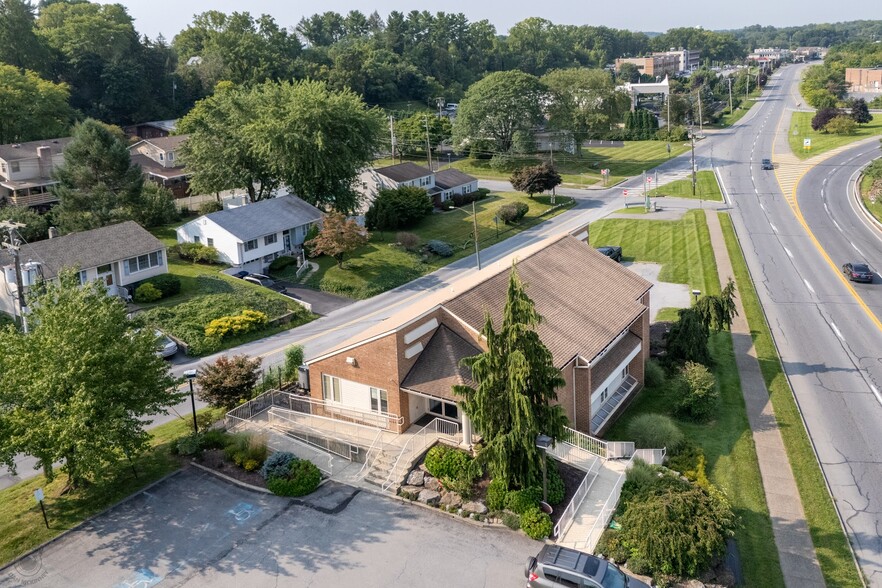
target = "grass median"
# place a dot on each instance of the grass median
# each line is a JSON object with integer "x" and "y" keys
{"x": 706, "y": 188}
{"x": 801, "y": 128}
{"x": 684, "y": 249}
{"x": 21, "y": 524}
{"x": 831, "y": 544}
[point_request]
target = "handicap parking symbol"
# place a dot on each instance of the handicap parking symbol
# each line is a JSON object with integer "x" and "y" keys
{"x": 243, "y": 511}
{"x": 142, "y": 578}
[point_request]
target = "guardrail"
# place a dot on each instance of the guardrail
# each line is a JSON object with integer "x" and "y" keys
{"x": 599, "y": 447}
{"x": 569, "y": 514}
{"x": 651, "y": 456}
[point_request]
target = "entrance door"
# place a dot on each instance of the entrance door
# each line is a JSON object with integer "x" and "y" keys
{"x": 286, "y": 240}
{"x": 444, "y": 409}
{"x": 105, "y": 273}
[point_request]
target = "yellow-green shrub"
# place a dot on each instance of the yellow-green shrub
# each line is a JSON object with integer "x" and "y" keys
{"x": 246, "y": 321}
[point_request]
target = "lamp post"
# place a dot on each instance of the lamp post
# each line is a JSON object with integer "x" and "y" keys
{"x": 191, "y": 375}
{"x": 543, "y": 442}
{"x": 696, "y": 293}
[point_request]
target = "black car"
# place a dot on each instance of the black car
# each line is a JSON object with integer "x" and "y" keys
{"x": 858, "y": 272}
{"x": 767, "y": 164}
{"x": 611, "y": 251}
{"x": 240, "y": 274}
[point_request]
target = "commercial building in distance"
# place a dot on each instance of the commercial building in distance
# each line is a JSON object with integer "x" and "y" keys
{"x": 864, "y": 79}
{"x": 664, "y": 63}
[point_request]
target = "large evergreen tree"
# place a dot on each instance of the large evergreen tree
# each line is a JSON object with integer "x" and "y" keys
{"x": 516, "y": 387}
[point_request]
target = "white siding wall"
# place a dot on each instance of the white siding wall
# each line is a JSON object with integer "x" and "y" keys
{"x": 225, "y": 243}
{"x": 355, "y": 395}
{"x": 121, "y": 279}
{"x": 419, "y": 406}
{"x": 612, "y": 382}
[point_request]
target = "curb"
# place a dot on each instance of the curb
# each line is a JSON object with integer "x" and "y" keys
{"x": 856, "y": 194}
{"x": 87, "y": 520}
{"x": 231, "y": 480}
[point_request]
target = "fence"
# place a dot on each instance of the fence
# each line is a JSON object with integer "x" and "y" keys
{"x": 651, "y": 456}
{"x": 566, "y": 519}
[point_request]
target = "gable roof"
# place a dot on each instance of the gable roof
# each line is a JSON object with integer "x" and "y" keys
{"x": 437, "y": 369}
{"x": 16, "y": 151}
{"x": 404, "y": 172}
{"x": 452, "y": 178}
{"x": 169, "y": 143}
{"x": 91, "y": 248}
{"x": 148, "y": 166}
{"x": 264, "y": 217}
{"x": 585, "y": 299}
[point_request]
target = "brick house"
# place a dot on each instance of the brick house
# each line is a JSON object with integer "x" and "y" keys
{"x": 595, "y": 323}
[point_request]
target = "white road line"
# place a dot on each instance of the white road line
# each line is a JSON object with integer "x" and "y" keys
{"x": 763, "y": 207}
{"x": 861, "y": 253}
{"x": 836, "y": 330}
{"x": 826, "y": 208}
{"x": 756, "y": 191}
{"x": 774, "y": 228}
{"x": 876, "y": 393}
{"x": 824, "y": 183}
{"x": 809, "y": 286}
{"x": 837, "y": 224}
{"x": 787, "y": 251}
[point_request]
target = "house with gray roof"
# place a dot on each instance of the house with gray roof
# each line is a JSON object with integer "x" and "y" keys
{"x": 26, "y": 171}
{"x": 253, "y": 235}
{"x": 595, "y": 323}
{"x": 160, "y": 162}
{"x": 440, "y": 185}
{"x": 118, "y": 255}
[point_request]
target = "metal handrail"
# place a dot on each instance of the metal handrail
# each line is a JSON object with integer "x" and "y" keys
{"x": 606, "y": 511}
{"x": 435, "y": 424}
{"x": 367, "y": 456}
{"x": 585, "y": 442}
{"x": 569, "y": 514}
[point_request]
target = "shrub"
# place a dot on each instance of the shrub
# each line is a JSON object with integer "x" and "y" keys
{"x": 210, "y": 206}
{"x": 214, "y": 439}
{"x": 228, "y": 381}
{"x": 655, "y": 376}
{"x": 302, "y": 479}
{"x": 841, "y": 125}
{"x": 511, "y": 520}
{"x": 398, "y": 208}
{"x": 822, "y": 117}
{"x": 147, "y": 292}
{"x": 293, "y": 361}
{"x": 409, "y": 241}
{"x": 197, "y": 252}
{"x": 247, "y": 320}
{"x": 439, "y": 248}
{"x": 536, "y": 524}
{"x": 250, "y": 465}
{"x": 188, "y": 445}
{"x": 460, "y": 200}
{"x": 311, "y": 234}
{"x": 655, "y": 431}
{"x": 689, "y": 460}
{"x": 639, "y": 566}
{"x": 503, "y": 162}
{"x": 168, "y": 284}
{"x": 443, "y": 461}
{"x": 519, "y": 501}
{"x": 700, "y": 396}
{"x": 611, "y": 547}
{"x": 638, "y": 479}
{"x": 277, "y": 465}
{"x": 243, "y": 447}
{"x": 496, "y": 493}
{"x": 512, "y": 212}
{"x": 557, "y": 489}
{"x": 281, "y": 263}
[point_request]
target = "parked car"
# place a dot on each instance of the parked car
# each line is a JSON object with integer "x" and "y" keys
{"x": 767, "y": 164}
{"x": 611, "y": 251}
{"x": 240, "y": 274}
{"x": 557, "y": 567}
{"x": 858, "y": 272}
{"x": 261, "y": 280}
{"x": 165, "y": 346}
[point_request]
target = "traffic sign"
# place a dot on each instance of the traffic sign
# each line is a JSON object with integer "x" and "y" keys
{"x": 806, "y": 143}
{"x": 625, "y": 193}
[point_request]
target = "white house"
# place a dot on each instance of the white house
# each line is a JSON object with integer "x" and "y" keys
{"x": 158, "y": 158}
{"x": 440, "y": 185}
{"x": 26, "y": 171}
{"x": 118, "y": 255}
{"x": 252, "y": 236}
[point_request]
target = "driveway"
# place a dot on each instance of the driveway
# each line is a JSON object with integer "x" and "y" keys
{"x": 195, "y": 530}
{"x": 322, "y": 302}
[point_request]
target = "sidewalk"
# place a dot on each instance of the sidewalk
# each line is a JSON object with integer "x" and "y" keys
{"x": 792, "y": 538}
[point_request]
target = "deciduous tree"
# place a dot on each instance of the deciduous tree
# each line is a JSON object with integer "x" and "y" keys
{"x": 822, "y": 117}
{"x": 229, "y": 381}
{"x": 535, "y": 179}
{"x": 31, "y": 108}
{"x": 514, "y": 398}
{"x": 338, "y": 237}
{"x": 398, "y": 208}
{"x": 76, "y": 389}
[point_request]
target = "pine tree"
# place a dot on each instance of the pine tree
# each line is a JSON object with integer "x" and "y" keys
{"x": 516, "y": 386}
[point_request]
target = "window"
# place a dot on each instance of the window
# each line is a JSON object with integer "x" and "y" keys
{"x": 379, "y": 400}
{"x": 210, "y": 242}
{"x": 270, "y": 239}
{"x": 142, "y": 262}
{"x": 331, "y": 388}
{"x": 171, "y": 155}
{"x": 604, "y": 394}
{"x": 81, "y": 277}
{"x": 160, "y": 156}
{"x": 2, "y": 168}
{"x": 104, "y": 269}
{"x": 467, "y": 189}
{"x": 14, "y": 167}
{"x": 197, "y": 238}
{"x": 425, "y": 181}
{"x": 252, "y": 244}
{"x": 269, "y": 258}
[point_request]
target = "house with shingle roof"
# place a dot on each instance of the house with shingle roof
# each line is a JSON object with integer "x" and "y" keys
{"x": 441, "y": 185}
{"x": 26, "y": 171}
{"x": 160, "y": 162}
{"x": 253, "y": 235}
{"x": 595, "y": 322}
{"x": 118, "y": 255}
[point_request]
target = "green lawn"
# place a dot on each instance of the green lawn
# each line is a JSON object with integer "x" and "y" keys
{"x": 831, "y": 544}
{"x": 684, "y": 249}
{"x": 21, "y": 524}
{"x": 729, "y": 119}
{"x": 706, "y": 188}
{"x": 875, "y": 208}
{"x": 801, "y": 128}
{"x": 382, "y": 264}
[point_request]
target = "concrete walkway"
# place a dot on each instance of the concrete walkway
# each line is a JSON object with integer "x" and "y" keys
{"x": 796, "y": 552}
{"x": 584, "y": 532}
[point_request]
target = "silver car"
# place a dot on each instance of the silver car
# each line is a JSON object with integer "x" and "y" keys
{"x": 165, "y": 346}
{"x": 561, "y": 567}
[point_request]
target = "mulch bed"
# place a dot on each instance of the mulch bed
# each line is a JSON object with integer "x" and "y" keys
{"x": 216, "y": 460}
{"x": 657, "y": 332}
{"x": 572, "y": 477}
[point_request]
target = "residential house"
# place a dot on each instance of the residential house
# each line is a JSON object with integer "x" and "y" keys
{"x": 252, "y": 236}
{"x": 440, "y": 185}
{"x": 595, "y": 323}
{"x": 158, "y": 158}
{"x": 118, "y": 255}
{"x": 152, "y": 130}
{"x": 26, "y": 171}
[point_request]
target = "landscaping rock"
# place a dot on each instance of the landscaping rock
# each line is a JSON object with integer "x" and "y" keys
{"x": 412, "y": 489}
{"x": 432, "y": 483}
{"x": 475, "y": 507}
{"x": 416, "y": 478}
{"x": 451, "y": 500}
{"x": 430, "y": 497}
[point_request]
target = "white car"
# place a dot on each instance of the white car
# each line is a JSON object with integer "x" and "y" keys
{"x": 165, "y": 346}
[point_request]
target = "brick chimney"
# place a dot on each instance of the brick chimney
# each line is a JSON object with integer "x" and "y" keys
{"x": 44, "y": 160}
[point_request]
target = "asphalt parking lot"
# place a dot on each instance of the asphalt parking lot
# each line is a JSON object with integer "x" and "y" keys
{"x": 196, "y": 530}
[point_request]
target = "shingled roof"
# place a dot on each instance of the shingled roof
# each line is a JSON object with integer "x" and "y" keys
{"x": 438, "y": 370}
{"x": 452, "y": 178}
{"x": 404, "y": 172}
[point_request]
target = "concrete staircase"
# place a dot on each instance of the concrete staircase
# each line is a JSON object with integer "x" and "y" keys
{"x": 378, "y": 471}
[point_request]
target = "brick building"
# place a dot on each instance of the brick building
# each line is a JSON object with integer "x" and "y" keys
{"x": 595, "y": 323}
{"x": 864, "y": 79}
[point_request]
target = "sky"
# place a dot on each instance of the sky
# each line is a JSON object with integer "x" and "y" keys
{"x": 171, "y": 16}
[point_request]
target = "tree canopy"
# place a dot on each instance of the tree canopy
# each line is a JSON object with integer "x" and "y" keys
{"x": 77, "y": 387}
{"x": 516, "y": 386}
{"x": 304, "y": 135}
{"x": 535, "y": 179}
{"x": 31, "y": 108}
{"x": 338, "y": 237}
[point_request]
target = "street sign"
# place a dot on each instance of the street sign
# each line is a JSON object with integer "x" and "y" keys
{"x": 38, "y": 494}
{"x": 625, "y": 193}
{"x": 807, "y": 143}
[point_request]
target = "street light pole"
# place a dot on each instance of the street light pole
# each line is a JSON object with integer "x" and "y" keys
{"x": 692, "y": 136}
{"x": 191, "y": 375}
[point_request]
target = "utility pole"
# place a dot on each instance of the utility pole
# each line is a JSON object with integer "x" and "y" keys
{"x": 13, "y": 245}
{"x": 392, "y": 134}
{"x": 645, "y": 195}
{"x": 440, "y": 102}
{"x": 730, "y": 93}
{"x": 475, "y": 223}
{"x": 428, "y": 146}
{"x": 700, "y": 116}
{"x": 668, "y": 100}
{"x": 692, "y": 136}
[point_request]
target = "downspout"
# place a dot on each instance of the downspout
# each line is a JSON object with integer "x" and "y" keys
{"x": 576, "y": 414}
